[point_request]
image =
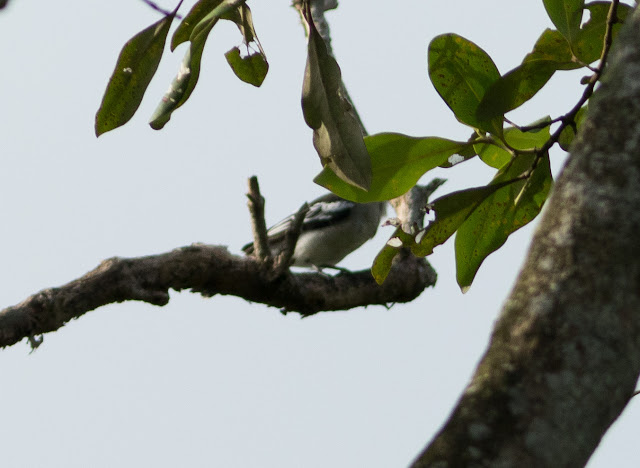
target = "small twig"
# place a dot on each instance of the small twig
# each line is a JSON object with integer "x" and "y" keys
{"x": 258, "y": 224}
{"x": 159, "y": 9}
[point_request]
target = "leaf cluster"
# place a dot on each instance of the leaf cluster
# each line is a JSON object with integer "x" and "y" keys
{"x": 386, "y": 165}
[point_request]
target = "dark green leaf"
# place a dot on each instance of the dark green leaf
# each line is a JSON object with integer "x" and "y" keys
{"x": 384, "y": 260}
{"x": 590, "y": 40}
{"x": 398, "y": 161}
{"x": 3, "y": 3}
{"x": 337, "y": 135}
{"x": 500, "y": 214}
{"x": 136, "y": 65}
{"x": 566, "y": 15}
{"x": 569, "y": 133}
{"x": 462, "y": 73}
{"x": 451, "y": 211}
{"x": 515, "y": 88}
{"x": 195, "y": 15}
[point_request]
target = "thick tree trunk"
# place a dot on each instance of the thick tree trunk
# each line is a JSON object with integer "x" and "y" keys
{"x": 565, "y": 353}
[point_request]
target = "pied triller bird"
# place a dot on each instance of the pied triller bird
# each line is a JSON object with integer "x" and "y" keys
{"x": 332, "y": 229}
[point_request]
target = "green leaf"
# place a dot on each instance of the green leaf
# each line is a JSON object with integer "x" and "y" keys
{"x": 136, "y": 65}
{"x": 466, "y": 153}
{"x": 515, "y": 88}
{"x": 462, "y": 73}
{"x": 590, "y": 39}
{"x": 552, "y": 47}
{"x": 397, "y": 161}
{"x": 337, "y": 134}
{"x": 195, "y": 15}
{"x": 497, "y": 156}
{"x": 187, "y": 78}
{"x": 501, "y": 213}
{"x": 384, "y": 260}
{"x": 253, "y": 68}
{"x": 566, "y": 15}
{"x": 451, "y": 211}
{"x": 569, "y": 133}
{"x": 183, "y": 84}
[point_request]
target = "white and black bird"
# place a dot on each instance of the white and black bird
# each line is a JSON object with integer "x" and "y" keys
{"x": 332, "y": 229}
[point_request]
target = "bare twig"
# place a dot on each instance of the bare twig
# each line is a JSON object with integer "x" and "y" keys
{"x": 159, "y": 9}
{"x": 258, "y": 225}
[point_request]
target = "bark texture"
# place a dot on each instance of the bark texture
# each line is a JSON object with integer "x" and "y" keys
{"x": 565, "y": 353}
{"x": 208, "y": 270}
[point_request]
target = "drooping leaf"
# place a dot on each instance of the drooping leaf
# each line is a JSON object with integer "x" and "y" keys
{"x": 136, "y": 65}
{"x": 185, "y": 81}
{"x": 590, "y": 39}
{"x": 515, "y": 88}
{"x": 337, "y": 135}
{"x": 397, "y": 161}
{"x": 497, "y": 156}
{"x": 462, "y": 73}
{"x": 451, "y": 211}
{"x": 384, "y": 260}
{"x": 566, "y": 15}
{"x": 197, "y": 13}
{"x": 569, "y": 132}
{"x": 500, "y": 214}
{"x": 253, "y": 67}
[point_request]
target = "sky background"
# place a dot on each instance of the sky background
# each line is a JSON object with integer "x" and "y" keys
{"x": 221, "y": 382}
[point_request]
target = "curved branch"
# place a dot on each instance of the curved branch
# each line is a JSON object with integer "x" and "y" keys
{"x": 208, "y": 270}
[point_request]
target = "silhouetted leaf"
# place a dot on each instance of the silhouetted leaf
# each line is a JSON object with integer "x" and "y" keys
{"x": 397, "y": 161}
{"x": 462, "y": 73}
{"x": 337, "y": 135}
{"x": 136, "y": 65}
{"x": 501, "y": 213}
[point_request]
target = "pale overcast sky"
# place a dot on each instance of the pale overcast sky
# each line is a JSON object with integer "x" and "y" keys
{"x": 219, "y": 382}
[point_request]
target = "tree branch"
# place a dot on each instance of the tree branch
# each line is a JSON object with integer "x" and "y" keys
{"x": 208, "y": 270}
{"x": 564, "y": 357}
